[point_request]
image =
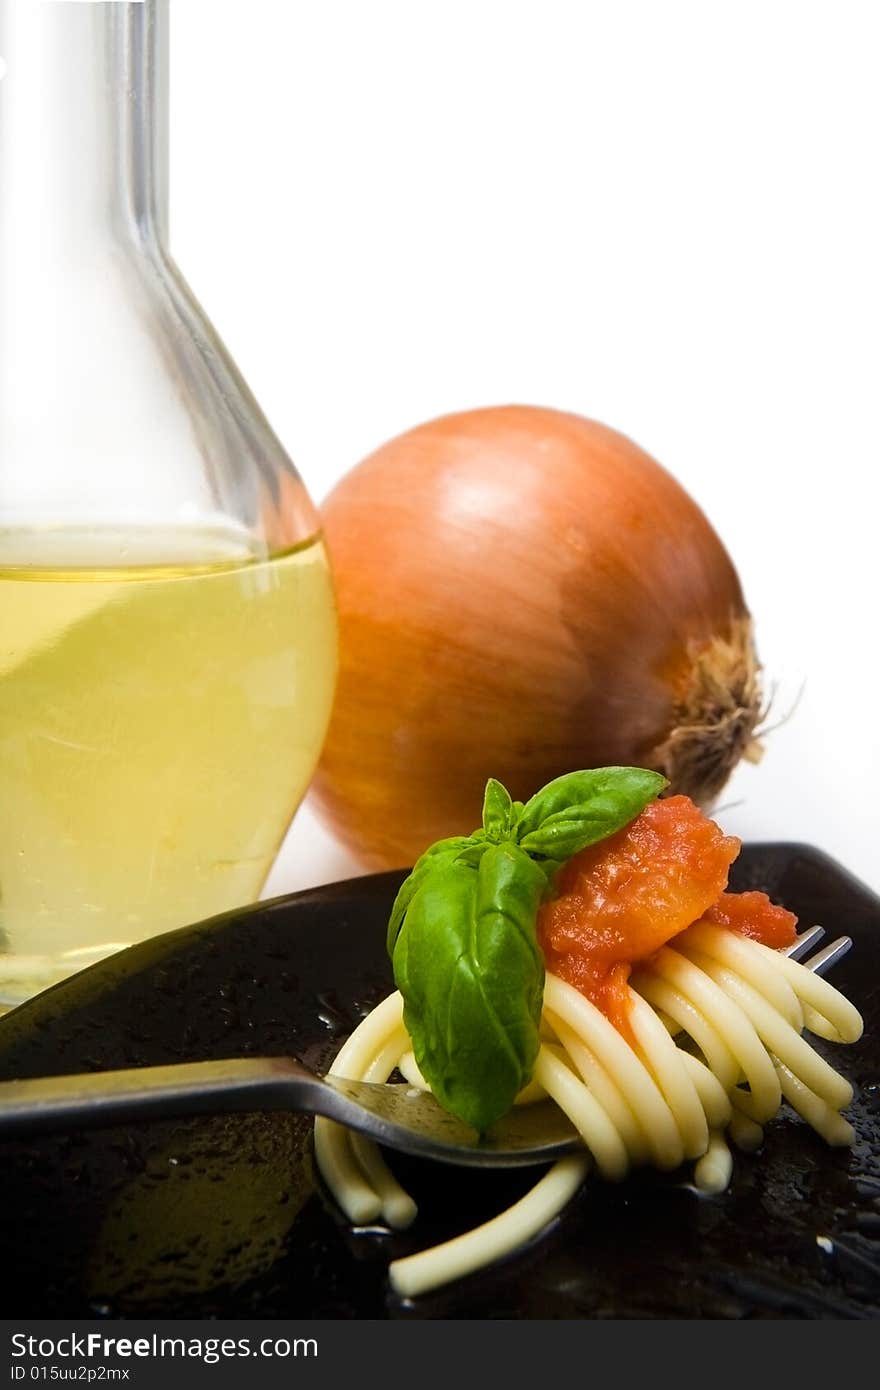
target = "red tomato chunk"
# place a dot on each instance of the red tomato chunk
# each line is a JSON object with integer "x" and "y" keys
{"x": 621, "y": 900}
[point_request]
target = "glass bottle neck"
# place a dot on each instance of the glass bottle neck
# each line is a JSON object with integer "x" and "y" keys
{"x": 83, "y": 128}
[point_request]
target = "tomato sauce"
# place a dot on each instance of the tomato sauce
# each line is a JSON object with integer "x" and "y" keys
{"x": 753, "y": 915}
{"x": 619, "y": 901}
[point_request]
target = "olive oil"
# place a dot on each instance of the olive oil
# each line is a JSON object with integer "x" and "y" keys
{"x": 159, "y": 723}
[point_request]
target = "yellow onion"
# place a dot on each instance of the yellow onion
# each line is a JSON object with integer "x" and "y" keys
{"x": 522, "y": 592}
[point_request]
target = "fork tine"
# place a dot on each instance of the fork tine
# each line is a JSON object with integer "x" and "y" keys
{"x": 823, "y": 960}
{"x": 802, "y": 943}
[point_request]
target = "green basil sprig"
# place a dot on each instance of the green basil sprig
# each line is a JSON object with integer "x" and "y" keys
{"x": 468, "y": 964}
{"x": 582, "y": 808}
{"x": 462, "y": 933}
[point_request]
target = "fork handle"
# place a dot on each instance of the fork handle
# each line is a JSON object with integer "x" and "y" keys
{"x": 186, "y": 1088}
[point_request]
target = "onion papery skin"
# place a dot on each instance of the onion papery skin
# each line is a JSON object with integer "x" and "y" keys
{"x": 522, "y": 592}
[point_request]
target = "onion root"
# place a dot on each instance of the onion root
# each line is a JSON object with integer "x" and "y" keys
{"x": 716, "y": 717}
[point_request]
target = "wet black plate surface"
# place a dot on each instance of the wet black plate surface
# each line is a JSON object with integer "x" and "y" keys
{"x": 224, "y": 1217}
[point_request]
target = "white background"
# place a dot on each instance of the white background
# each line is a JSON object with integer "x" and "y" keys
{"x": 660, "y": 213}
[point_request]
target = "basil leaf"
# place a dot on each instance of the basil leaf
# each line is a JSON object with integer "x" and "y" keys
{"x": 498, "y": 812}
{"x": 583, "y": 807}
{"x": 473, "y": 852}
{"x": 567, "y": 832}
{"x": 439, "y": 852}
{"x": 462, "y": 933}
{"x": 468, "y": 965}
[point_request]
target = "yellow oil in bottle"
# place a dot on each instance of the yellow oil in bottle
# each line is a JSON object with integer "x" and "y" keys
{"x": 159, "y": 723}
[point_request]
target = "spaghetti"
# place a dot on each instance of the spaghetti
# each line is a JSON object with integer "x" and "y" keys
{"x": 717, "y": 1024}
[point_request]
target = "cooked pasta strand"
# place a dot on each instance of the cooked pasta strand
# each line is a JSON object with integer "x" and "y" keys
{"x": 343, "y": 1174}
{"x": 840, "y": 1013}
{"x": 585, "y": 1113}
{"x": 825, "y": 1120}
{"x": 531, "y": 1094}
{"x": 779, "y": 1036}
{"x": 409, "y": 1070}
{"x": 743, "y": 1103}
{"x": 496, "y": 1238}
{"x": 663, "y": 1059}
{"x": 728, "y": 1019}
{"x": 370, "y": 1036}
{"x": 609, "y": 1096}
{"x": 622, "y": 1065}
{"x": 713, "y": 1096}
{"x": 817, "y": 1023}
{"x": 396, "y": 1206}
{"x": 747, "y": 1135}
{"x": 688, "y": 1018}
{"x": 713, "y": 1170}
{"x": 335, "y": 1157}
{"x": 739, "y": 954}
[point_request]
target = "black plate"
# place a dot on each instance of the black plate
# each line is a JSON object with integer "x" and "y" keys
{"x": 224, "y": 1217}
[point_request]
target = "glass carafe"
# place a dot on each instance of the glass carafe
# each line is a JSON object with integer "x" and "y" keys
{"x": 167, "y": 630}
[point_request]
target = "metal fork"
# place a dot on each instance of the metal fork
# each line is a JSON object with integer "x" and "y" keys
{"x": 399, "y": 1116}
{"x": 823, "y": 960}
